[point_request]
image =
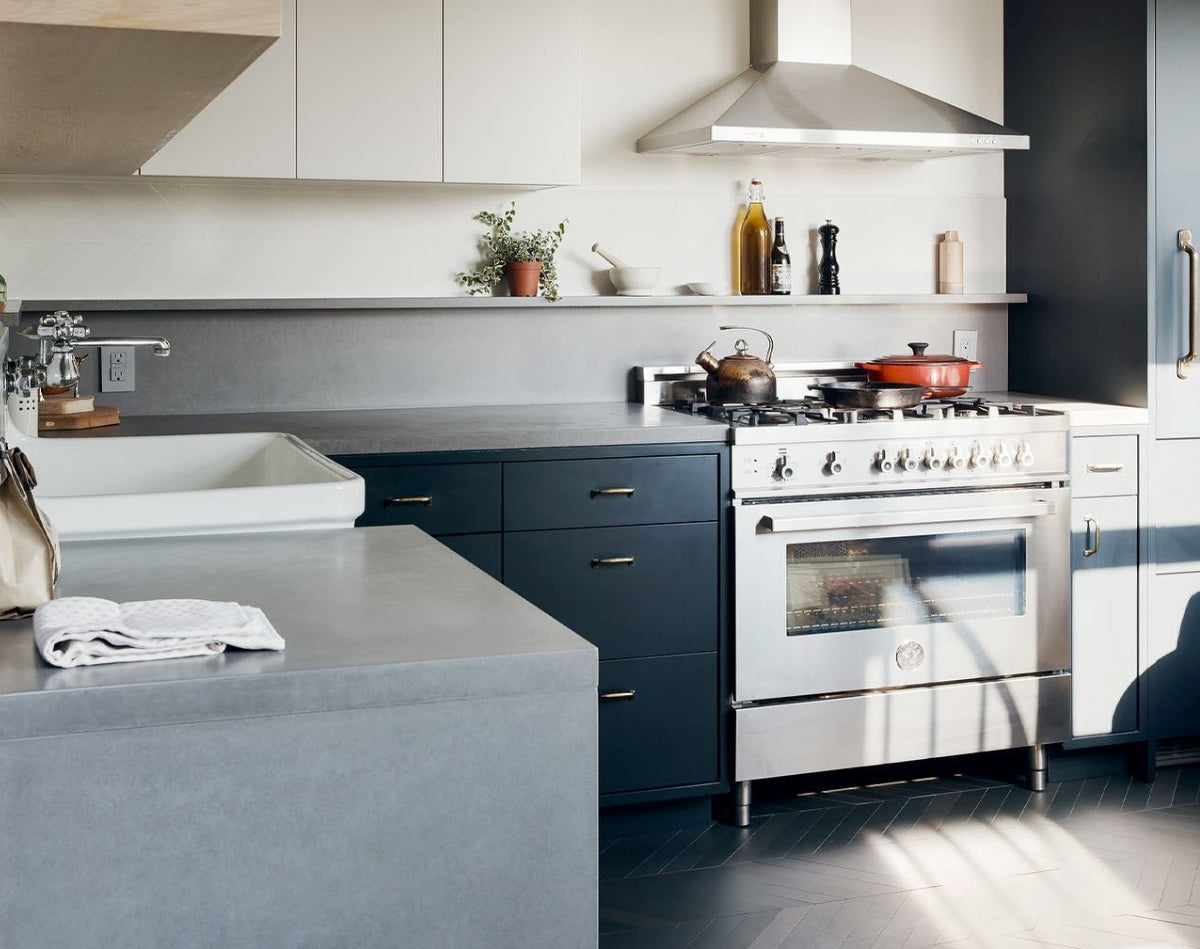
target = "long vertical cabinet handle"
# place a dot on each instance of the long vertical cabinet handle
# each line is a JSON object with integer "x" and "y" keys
{"x": 1183, "y": 366}
{"x": 1092, "y": 529}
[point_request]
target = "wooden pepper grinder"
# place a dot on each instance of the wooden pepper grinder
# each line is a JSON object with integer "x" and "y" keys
{"x": 827, "y": 270}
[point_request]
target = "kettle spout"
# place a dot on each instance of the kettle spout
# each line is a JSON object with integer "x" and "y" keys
{"x": 706, "y": 360}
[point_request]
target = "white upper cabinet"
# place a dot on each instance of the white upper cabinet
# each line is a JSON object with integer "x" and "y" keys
{"x": 526, "y": 131}
{"x": 399, "y": 90}
{"x": 369, "y": 90}
{"x": 249, "y": 129}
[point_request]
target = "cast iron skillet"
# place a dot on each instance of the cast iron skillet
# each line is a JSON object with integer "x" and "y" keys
{"x": 870, "y": 395}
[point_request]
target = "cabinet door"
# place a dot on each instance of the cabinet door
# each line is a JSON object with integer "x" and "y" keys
{"x": 1173, "y": 674}
{"x": 659, "y": 722}
{"x": 1104, "y": 624}
{"x": 369, "y": 89}
{"x": 1177, "y": 201}
{"x": 521, "y": 128}
{"x": 249, "y": 129}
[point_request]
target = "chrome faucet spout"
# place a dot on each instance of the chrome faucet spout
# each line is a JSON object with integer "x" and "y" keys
{"x": 162, "y": 347}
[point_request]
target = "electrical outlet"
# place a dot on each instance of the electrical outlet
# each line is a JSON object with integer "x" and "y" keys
{"x": 116, "y": 368}
{"x": 966, "y": 344}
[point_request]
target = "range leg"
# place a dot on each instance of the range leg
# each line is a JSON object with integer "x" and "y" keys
{"x": 740, "y": 811}
{"x": 1037, "y": 768}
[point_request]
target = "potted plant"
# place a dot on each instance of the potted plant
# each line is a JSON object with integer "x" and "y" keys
{"x": 526, "y": 258}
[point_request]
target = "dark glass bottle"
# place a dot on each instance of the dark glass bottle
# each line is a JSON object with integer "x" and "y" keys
{"x": 781, "y": 262}
{"x": 756, "y": 245}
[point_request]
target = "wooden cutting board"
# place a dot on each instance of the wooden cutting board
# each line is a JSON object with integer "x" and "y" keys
{"x": 100, "y": 416}
{"x": 65, "y": 404}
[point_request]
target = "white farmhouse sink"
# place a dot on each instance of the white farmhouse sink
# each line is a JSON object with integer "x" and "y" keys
{"x": 168, "y": 485}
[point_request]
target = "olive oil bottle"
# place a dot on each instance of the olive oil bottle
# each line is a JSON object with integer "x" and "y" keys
{"x": 756, "y": 245}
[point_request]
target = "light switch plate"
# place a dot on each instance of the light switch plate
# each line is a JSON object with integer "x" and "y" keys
{"x": 116, "y": 369}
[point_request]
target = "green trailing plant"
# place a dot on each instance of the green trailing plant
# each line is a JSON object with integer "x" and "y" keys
{"x": 501, "y": 245}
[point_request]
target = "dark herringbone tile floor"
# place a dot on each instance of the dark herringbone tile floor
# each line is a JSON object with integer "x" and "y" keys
{"x": 1102, "y": 863}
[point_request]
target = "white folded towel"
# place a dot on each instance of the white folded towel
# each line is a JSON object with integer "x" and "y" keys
{"x": 86, "y": 630}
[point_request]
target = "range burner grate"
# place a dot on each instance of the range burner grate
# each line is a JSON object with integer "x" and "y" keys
{"x": 815, "y": 410}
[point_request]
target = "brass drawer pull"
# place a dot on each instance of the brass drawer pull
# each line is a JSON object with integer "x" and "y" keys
{"x": 1106, "y": 468}
{"x": 612, "y": 561}
{"x": 1092, "y": 528}
{"x": 610, "y": 696}
{"x": 597, "y": 492}
{"x": 425, "y": 499}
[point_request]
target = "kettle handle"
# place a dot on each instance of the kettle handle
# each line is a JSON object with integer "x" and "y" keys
{"x": 770, "y": 341}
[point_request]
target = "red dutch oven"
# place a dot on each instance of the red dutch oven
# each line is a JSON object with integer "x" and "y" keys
{"x": 943, "y": 376}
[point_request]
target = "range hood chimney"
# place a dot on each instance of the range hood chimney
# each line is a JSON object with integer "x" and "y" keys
{"x": 802, "y": 96}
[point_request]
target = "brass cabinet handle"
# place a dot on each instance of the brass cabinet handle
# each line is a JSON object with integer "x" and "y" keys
{"x": 1183, "y": 366}
{"x": 598, "y": 492}
{"x": 612, "y": 561}
{"x": 1106, "y": 468}
{"x": 610, "y": 696}
{"x": 1091, "y": 527}
{"x": 425, "y": 499}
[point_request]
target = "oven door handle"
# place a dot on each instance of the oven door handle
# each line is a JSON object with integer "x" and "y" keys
{"x": 784, "y": 525}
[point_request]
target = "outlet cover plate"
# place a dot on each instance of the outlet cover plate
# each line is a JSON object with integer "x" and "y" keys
{"x": 966, "y": 344}
{"x": 116, "y": 369}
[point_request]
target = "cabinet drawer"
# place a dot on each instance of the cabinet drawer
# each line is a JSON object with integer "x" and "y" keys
{"x": 609, "y": 491}
{"x": 439, "y": 499}
{"x": 657, "y": 595}
{"x": 1104, "y": 465}
{"x": 666, "y": 733}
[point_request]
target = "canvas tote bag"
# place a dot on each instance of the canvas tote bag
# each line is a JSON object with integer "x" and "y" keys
{"x": 29, "y": 553}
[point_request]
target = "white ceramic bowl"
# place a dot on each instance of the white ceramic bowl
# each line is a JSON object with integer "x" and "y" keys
{"x": 709, "y": 289}
{"x": 634, "y": 280}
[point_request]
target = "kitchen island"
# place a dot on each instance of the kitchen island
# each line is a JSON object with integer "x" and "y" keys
{"x": 418, "y": 767}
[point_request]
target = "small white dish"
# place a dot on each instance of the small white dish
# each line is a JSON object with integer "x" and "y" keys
{"x": 709, "y": 289}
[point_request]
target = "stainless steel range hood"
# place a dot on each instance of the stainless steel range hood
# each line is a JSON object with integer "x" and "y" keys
{"x": 802, "y": 96}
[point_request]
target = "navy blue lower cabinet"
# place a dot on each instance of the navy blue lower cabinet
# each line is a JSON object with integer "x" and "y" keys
{"x": 631, "y": 591}
{"x": 439, "y": 499}
{"x": 659, "y": 722}
{"x": 483, "y": 550}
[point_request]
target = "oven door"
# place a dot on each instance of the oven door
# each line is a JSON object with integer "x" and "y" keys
{"x": 856, "y": 594}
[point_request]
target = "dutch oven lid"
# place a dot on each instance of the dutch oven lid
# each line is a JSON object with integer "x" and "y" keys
{"x": 918, "y": 357}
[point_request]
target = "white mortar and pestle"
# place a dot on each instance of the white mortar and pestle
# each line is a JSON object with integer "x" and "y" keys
{"x": 630, "y": 281}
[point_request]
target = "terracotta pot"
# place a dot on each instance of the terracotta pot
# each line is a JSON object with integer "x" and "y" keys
{"x": 943, "y": 376}
{"x": 523, "y": 277}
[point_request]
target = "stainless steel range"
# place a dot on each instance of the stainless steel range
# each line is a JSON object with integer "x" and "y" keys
{"x": 901, "y": 578}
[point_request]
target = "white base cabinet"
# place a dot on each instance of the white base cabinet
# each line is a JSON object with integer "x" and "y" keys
{"x": 1104, "y": 585}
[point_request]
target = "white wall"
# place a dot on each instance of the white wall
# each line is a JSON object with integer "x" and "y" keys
{"x": 168, "y": 238}
{"x": 160, "y": 238}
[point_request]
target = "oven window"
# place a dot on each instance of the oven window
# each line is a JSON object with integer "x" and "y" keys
{"x": 904, "y": 581}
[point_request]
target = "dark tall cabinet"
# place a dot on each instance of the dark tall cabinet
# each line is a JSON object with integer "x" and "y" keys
{"x": 1109, "y": 93}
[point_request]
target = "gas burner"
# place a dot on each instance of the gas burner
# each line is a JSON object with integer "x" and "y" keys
{"x": 812, "y": 409}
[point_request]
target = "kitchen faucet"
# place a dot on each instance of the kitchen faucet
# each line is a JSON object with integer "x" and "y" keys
{"x": 55, "y": 367}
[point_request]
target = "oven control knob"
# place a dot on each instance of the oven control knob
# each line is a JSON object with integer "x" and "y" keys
{"x": 1024, "y": 455}
{"x": 783, "y": 469}
{"x": 833, "y": 464}
{"x": 883, "y": 462}
{"x": 1004, "y": 456}
{"x": 907, "y": 460}
{"x": 955, "y": 460}
{"x": 978, "y": 458}
{"x": 933, "y": 461}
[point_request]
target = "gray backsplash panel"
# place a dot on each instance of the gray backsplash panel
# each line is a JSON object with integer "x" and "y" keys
{"x": 264, "y": 360}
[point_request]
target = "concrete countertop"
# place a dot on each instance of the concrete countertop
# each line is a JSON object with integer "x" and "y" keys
{"x": 372, "y": 617}
{"x": 453, "y": 428}
{"x": 1082, "y": 414}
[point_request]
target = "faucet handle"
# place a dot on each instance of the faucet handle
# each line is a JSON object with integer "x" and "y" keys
{"x": 62, "y": 326}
